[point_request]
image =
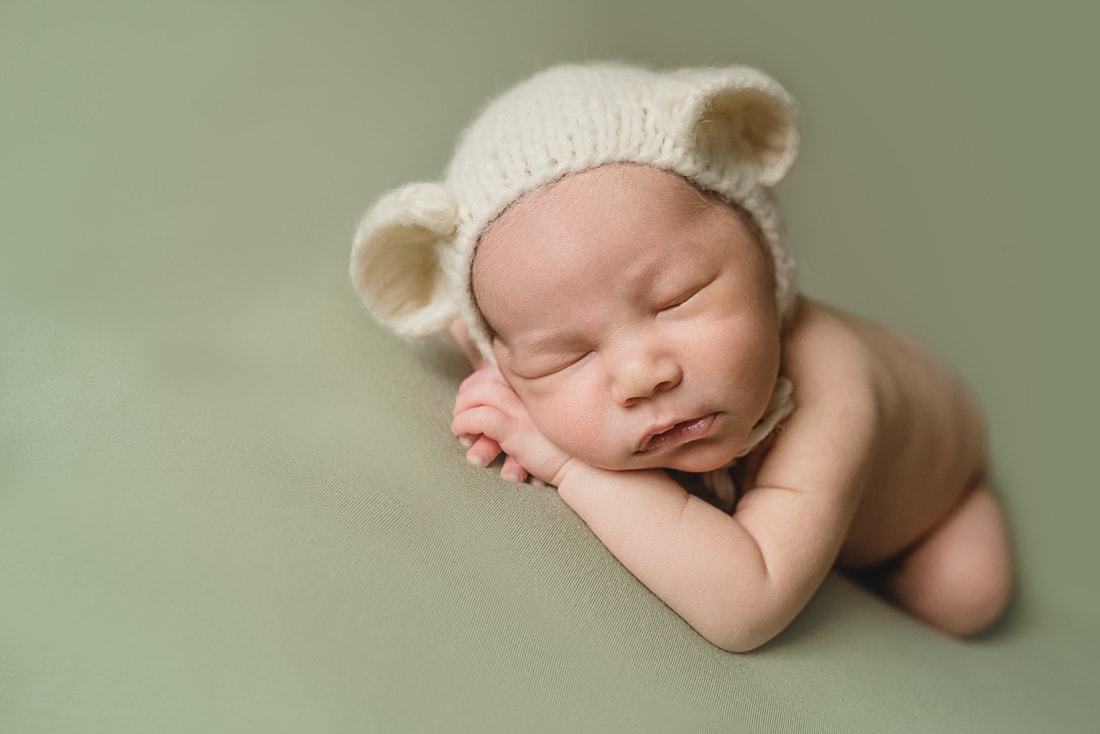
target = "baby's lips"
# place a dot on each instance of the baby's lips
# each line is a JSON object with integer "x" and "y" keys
{"x": 679, "y": 433}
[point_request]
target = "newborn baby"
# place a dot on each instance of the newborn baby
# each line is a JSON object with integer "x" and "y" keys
{"x": 607, "y": 249}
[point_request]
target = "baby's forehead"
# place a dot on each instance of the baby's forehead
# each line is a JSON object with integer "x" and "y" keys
{"x": 599, "y": 193}
{"x": 607, "y": 181}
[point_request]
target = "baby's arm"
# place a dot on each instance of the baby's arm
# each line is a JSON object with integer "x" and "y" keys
{"x": 738, "y": 579}
{"x": 461, "y": 336}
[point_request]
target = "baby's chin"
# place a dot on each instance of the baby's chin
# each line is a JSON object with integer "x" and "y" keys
{"x": 699, "y": 467}
{"x": 699, "y": 460}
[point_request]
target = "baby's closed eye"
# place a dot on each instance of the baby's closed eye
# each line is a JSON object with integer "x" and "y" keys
{"x": 533, "y": 367}
{"x": 682, "y": 297}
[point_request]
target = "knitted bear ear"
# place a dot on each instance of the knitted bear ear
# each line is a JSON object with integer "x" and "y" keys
{"x": 395, "y": 258}
{"x": 740, "y": 115}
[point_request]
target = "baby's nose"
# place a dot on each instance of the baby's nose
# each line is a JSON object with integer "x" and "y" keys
{"x": 642, "y": 374}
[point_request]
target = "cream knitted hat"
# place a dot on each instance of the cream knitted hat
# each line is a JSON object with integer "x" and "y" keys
{"x": 731, "y": 131}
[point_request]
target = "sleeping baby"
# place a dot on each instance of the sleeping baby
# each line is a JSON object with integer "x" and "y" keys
{"x": 606, "y": 247}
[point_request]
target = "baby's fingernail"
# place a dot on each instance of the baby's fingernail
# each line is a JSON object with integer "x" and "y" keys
{"x": 512, "y": 476}
{"x": 477, "y": 461}
{"x": 465, "y": 441}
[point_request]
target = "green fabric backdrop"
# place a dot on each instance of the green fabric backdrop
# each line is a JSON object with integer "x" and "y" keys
{"x": 229, "y": 502}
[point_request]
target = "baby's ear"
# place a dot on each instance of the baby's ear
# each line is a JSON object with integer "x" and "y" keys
{"x": 395, "y": 259}
{"x": 740, "y": 115}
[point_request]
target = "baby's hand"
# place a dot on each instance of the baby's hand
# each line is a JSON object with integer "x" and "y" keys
{"x": 490, "y": 414}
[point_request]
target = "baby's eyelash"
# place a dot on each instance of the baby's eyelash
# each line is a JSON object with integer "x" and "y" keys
{"x": 682, "y": 299}
{"x": 569, "y": 362}
{"x": 555, "y": 367}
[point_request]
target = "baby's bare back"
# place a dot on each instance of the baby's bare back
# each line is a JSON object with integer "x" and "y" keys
{"x": 928, "y": 446}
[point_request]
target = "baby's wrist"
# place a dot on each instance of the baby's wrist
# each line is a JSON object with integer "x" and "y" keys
{"x": 562, "y": 475}
{"x": 578, "y": 483}
{"x": 575, "y": 477}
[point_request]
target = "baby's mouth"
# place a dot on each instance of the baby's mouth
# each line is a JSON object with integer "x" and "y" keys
{"x": 681, "y": 433}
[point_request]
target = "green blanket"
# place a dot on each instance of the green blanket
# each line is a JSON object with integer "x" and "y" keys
{"x": 230, "y": 502}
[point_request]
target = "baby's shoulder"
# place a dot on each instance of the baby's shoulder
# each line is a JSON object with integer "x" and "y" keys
{"x": 836, "y": 422}
{"x": 888, "y": 380}
{"x": 854, "y": 400}
{"x": 832, "y": 359}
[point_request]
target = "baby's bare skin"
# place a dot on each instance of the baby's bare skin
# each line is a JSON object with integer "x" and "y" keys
{"x": 622, "y": 305}
{"x": 928, "y": 437}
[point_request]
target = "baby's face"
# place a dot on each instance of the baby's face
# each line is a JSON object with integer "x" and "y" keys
{"x": 635, "y": 318}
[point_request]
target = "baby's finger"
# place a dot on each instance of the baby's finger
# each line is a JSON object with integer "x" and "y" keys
{"x": 483, "y": 420}
{"x": 483, "y": 452}
{"x": 486, "y": 373}
{"x": 493, "y": 372}
{"x": 490, "y": 445}
{"x": 477, "y": 393}
{"x": 513, "y": 471}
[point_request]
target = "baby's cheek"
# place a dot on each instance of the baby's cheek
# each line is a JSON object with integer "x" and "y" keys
{"x": 585, "y": 436}
{"x": 573, "y": 415}
{"x": 553, "y": 420}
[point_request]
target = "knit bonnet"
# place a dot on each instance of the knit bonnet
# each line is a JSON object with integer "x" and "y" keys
{"x": 729, "y": 130}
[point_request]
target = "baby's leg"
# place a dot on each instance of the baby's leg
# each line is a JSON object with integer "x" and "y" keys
{"x": 959, "y": 577}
